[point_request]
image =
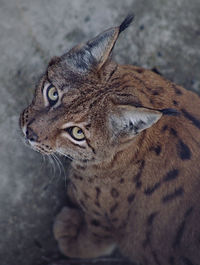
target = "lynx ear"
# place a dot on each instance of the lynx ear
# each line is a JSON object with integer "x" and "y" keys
{"x": 130, "y": 121}
{"x": 94, "y": 53}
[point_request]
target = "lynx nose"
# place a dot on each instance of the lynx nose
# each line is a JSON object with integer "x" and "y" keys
{"x": 31, "y": 135}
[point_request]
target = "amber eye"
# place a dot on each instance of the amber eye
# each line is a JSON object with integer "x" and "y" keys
{"x": 52, "y": 95}
{"x": 76, "y": 133}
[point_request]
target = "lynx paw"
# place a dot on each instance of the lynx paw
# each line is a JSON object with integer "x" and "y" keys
{"x": 74, "y": 238}
{"x": 67, "y": 224}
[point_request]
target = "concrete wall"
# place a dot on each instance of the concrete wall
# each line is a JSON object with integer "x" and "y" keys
{"x": 165, "y": 35}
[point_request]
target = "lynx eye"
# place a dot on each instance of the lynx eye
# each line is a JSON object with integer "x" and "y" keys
{"x": 76, "y": 133}
{"x": 52, "y": 95}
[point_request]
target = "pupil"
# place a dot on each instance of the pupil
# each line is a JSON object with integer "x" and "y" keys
{"x": 79, "y": 132}
{"x": 55, "y": 94}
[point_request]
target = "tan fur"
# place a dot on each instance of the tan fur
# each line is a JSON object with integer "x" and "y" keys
{"x": 138, "y": 192}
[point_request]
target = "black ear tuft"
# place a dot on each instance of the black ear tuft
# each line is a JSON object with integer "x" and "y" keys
{"x": 127, "y": 21}
{"x": 94, "y": 53}
{"x": 170, "y": 112}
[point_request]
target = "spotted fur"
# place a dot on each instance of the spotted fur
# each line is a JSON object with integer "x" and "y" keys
{"x": 136, "y": 176}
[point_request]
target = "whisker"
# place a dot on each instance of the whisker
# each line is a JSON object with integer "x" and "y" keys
{"x": 52, "y": 164}
{"x": 43, "y": 162}
{"x": 60, "y": 163}
{"x": 71, "y": 158}
{"x": 53, "y": 176}
{"x": 61, "y": 167}
{"x": 57, "y": 163}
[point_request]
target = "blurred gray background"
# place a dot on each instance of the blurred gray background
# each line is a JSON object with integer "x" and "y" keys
{"x": 165, "y": 36}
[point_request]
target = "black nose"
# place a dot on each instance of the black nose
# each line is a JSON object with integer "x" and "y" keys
{"x": 31, "y": 135}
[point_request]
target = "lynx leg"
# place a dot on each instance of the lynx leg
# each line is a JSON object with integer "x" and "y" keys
{"x": 74, "y": 237}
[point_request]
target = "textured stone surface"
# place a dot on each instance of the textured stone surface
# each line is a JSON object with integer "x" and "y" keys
{"x": 165, "y": 35}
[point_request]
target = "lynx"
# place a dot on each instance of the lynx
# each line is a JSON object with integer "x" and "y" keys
{"x": 134, "y": 141}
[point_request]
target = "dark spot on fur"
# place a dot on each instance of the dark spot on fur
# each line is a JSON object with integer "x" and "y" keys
{"x": 138, "y": 184}
{"x": 131, "y": 197}
{"x": 179, "y": 234}
{"x": 88, "y": 126}
{"x": 151, "y": 101}
{"x": 137, "y": 177}
{"x": 181, "y": 228}
{"x": 151, "y": 218}
{"x": 95, "y": 222}
{"x": 114, "y": 207}
{"x": 121, "y": 180}
{"x": 97, "y": 204}
{"x": 177, "y": 90}
{"x": 80, "y": 167}
{"x": 112, "y": 73}
{"x": 128, "y": 214}
{"x": 164, "y": 128}
{"x": 114, "y": 193}
{"x": 77, "y": 177}
{"x": 190, "y": 117}
{"x": 173, "y": 131}
{"x": 169, "y": 197}
{"x": 155, "y": 93}
{"x": 157, "y": 149}
{"x": 98, "y": 191}
{"x": 149, "y": 231}
{"x": 150, "y": 190}
{"x": 171, "y": 175}
{"x": 183, "y": 150}
{"x": 84, "y": 160}
{"x": 175, "y": 102}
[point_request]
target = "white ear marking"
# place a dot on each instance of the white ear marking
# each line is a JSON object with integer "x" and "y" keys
{"x": 131, "y": 121}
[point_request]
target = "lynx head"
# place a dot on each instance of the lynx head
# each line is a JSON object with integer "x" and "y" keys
{"x": 76, "y": 110}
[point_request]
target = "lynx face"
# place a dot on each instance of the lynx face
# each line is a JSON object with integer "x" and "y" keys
{"x": 58, "y": 120}
{"x": 75, "y": 112}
